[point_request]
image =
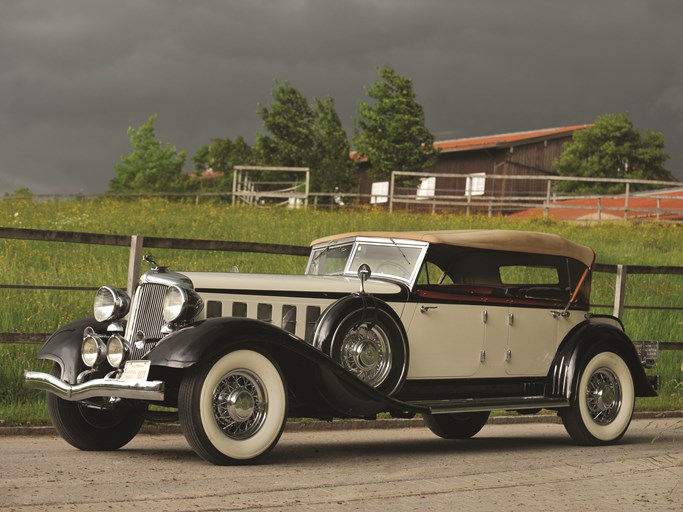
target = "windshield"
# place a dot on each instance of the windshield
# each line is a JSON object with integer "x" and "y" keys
{"x": 386, "y": 258}
{"x": 330, "y": 260}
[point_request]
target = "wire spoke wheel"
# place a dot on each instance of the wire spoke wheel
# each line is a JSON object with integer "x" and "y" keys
{"x": 602, "y": 408}
{"x": 240, "y": 404}
{"x": 233, "y": 408}
{"x": 366, "y": 352}
{"x": 603, "y": 396}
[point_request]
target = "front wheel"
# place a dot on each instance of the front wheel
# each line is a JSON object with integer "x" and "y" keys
{"x": 602, "y": 409}
{"x": 92, "y": 429}
{"x": 233, "y": 408}
{"x": 461, "y": 425}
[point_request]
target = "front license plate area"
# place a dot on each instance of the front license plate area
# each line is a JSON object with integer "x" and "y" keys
{"x": 136, "y": 371}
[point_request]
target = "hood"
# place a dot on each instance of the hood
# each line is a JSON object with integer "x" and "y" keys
{"x": 207, "y": 281}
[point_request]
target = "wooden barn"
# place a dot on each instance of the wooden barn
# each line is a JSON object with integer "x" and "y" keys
{"x": 528, "y": 153}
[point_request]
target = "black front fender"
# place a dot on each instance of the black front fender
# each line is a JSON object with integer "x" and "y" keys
{"x": 64, "y": 347}
{"x": 317, "y": 385}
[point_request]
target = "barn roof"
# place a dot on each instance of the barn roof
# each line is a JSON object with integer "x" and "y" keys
{"x": 506, "y": 139}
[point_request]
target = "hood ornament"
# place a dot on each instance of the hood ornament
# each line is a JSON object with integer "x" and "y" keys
{"x": 149, "y": 258}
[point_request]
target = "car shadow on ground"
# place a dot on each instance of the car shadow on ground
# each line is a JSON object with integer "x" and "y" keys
{"x": 293, "y": 449}
{"x": 388, "y": 448}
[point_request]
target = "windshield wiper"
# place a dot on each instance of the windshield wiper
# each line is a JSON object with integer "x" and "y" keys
{"x": 401, "y": 251}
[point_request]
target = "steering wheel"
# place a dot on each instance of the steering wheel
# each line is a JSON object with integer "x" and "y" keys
{"x": 399, "y": 270}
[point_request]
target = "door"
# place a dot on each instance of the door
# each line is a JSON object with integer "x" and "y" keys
{"x": 446, "y": 340}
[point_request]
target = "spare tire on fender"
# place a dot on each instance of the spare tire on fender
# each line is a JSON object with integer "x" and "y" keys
{"x": 366, "y": 337}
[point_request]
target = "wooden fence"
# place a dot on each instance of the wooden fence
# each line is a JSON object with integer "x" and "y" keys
{"x": 138, "y": 243}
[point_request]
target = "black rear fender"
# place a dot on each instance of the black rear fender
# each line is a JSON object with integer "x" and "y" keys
{"x": 581, "y": 344}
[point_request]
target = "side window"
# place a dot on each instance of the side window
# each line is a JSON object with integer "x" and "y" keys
{"x": 533, "y": 282}
{"x": 431, "y": 274}
{"x": 519, "y": 275}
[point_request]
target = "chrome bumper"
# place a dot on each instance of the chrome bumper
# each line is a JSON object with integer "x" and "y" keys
{"x": 147, "y": 390}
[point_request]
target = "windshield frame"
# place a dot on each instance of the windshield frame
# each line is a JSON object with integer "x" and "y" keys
{"x": 401, "y": 244}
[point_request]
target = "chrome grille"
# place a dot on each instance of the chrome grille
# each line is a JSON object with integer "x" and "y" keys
{"x": 146, "y": 315}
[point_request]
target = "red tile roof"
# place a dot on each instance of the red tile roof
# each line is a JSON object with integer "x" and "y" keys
{"x": 642, "y": 205}
{"x": 206, "y": 175}
{"x": 493, "y": 141}
{"x": 504, "y": 140}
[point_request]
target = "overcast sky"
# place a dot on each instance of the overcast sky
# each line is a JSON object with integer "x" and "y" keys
{"x": 75, "y": 74}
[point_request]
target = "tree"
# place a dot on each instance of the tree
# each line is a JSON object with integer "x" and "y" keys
{"x": 335, "y": 171}
{"x": 290, "y": 121}
{"x": 391, "y": 132}
{"x": 305, "y": 135}
{"x": 611, "y": 148}
{"x": 221, "y": 156}
{"x": 151, "y": 166}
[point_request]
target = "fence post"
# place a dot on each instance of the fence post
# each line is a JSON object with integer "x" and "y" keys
{"x": 620, "y": 291}
{"x": 546, "y": 207}
{"x": 628, "y": 190}
{"x": 134, "y": 263}
{"x": 391, "y": 193}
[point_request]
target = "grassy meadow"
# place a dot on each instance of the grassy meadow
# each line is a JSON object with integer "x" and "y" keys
{"x": 61, "y": 264}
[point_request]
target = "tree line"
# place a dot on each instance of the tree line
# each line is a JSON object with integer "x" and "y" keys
{"x": 389, "y": 135}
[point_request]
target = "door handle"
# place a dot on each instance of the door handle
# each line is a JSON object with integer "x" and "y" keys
{"x": 425, "y": 309}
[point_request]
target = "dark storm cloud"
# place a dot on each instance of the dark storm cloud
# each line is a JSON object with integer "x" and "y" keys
{"x": 75, "y": 74}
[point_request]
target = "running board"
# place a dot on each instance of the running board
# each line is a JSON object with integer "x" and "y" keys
{"x": 489, "y": 404}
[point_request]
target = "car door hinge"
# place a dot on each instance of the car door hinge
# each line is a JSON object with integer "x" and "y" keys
{"x": 508, "y": 356}
{"x": 485, "y": 316}
{"x": 482, "y": 356}
{"x": 511, "y": 318}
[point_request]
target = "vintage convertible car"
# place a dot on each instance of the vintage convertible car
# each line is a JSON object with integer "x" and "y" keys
{"x": 447, "y": 324}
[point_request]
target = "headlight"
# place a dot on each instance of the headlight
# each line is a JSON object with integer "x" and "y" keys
{"x": 117, "y": 351}
{"x": 181, "y": 304}
{"x": 93, "y": 350}
{"x": 110, "y": 304}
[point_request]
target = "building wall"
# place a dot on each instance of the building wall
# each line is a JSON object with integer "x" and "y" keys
{"x": 530, "y": 159}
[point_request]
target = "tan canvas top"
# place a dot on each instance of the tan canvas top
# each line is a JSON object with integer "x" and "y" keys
{"x": 495, "y": 239}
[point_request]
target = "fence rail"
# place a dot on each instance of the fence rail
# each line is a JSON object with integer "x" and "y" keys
{"x": 138, "y": 243}
{"x": 477, "y": 201}
{"x": 541, "y": 193}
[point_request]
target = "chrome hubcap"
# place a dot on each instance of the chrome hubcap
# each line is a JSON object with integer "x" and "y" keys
{"x": 367, "y": 354}
{"x": 603, "y": 396}
{"x": 240, "y": 404}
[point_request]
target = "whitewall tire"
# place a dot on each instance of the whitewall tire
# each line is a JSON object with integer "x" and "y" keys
{"x": 601, "y": 411}
{"x": 233, "y": 408}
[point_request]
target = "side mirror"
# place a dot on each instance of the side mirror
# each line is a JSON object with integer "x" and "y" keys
{"x": 364, "y": 274}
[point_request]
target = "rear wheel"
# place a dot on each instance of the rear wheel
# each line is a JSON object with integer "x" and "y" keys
{"x": 89, "y": 428}
{"x": 234, "y": 407}
{"x": 602, "y": 409}
{"x": 458, "y": 425}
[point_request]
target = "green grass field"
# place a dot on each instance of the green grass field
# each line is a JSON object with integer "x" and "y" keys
{"x": 60, "y": 264}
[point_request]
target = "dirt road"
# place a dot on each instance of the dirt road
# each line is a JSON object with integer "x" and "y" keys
{"x": 506, "y": 467}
